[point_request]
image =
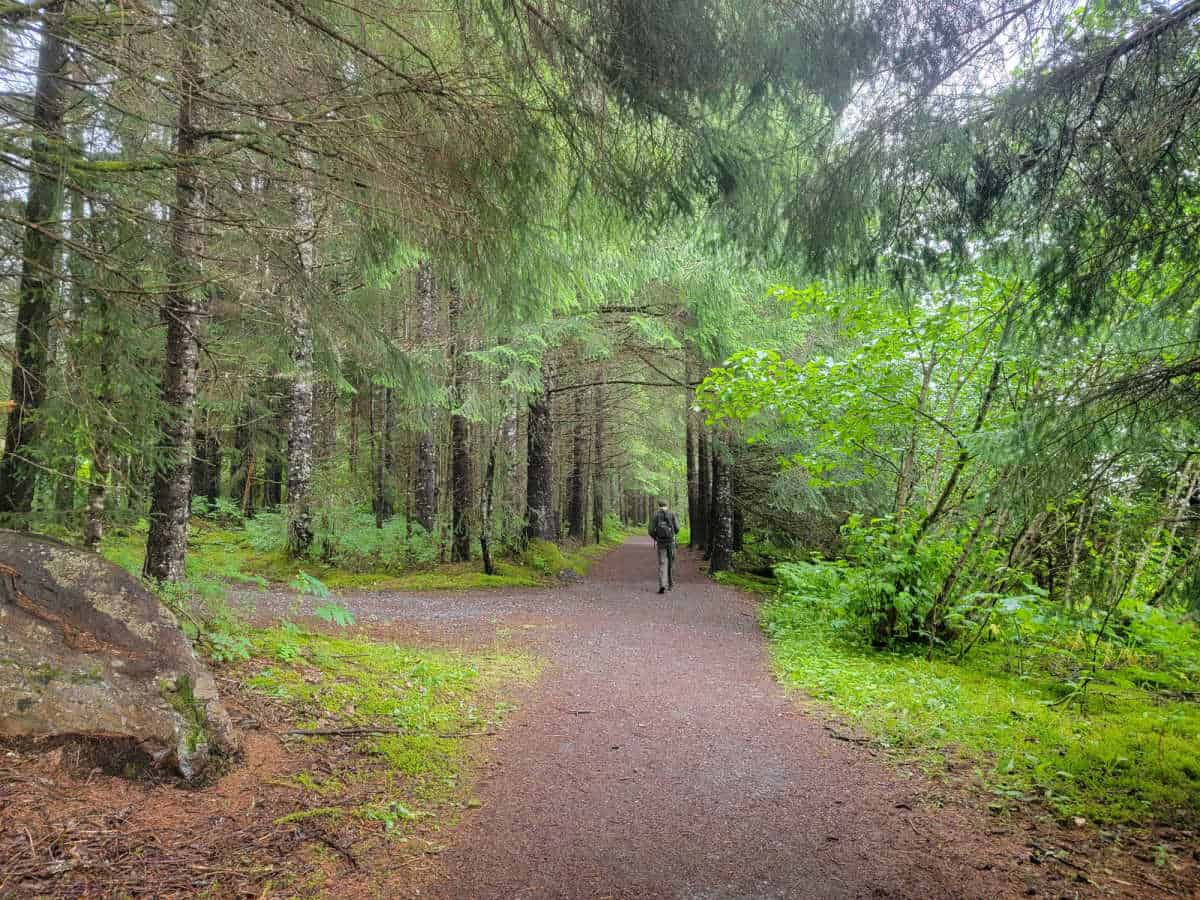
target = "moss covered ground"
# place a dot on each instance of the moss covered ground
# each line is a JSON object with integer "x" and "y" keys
{"x": 428, "y": 707}
{"x": 1107, "y": 750}
{"x": 232, "y": 555}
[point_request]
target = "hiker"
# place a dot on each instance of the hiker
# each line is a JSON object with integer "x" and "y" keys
{"x": 663, "y": 528}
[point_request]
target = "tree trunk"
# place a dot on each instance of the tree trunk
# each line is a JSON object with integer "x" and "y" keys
{"x": 703, "y": 489}
{"x": 70, "y": 330}
{"x": 577, "y": 493}
{"x": 425, "y": 499}
{"x": 693, "y": 470}
{"x": 598, "y": 467}
{"x": 97, "y": 492}
{"x": 39, "y": 264}
{"x": 355, "y": 415}
{"x": 735, "y": 499}
{"x": 166, "y": 543}
{"x": 715, "y": 472}
{"x": 721, "y": 517}
{"x": 485, "y": 509}
{"x": 460, "y": 437}
{"x": 460, "y": 457}
{"x": 325, "y": 411}
{"x": 301, "y": 387}
{"x": 243, "y": 455}
{"x": 206, "y": 467}
{"x": 383, "y": 452}
{"x": 539, "y": 484}
{"x": 904, "y": 481}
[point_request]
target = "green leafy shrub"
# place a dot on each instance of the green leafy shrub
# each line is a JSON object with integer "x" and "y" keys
{"x": 895, "y": 579}
{"x": 612, "y": 531}
{"x": 760, "y": 556}
{"x": 222, "y": 511}
{"x": 267, "y": 532}
{"x": 350, "y": 541}
{"x": 808, "y": 592}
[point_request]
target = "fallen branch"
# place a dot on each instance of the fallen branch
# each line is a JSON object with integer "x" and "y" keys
{"x": 360, "y": 731}
{"x": 850, "y": 739}
{"x": 340, "y": 848}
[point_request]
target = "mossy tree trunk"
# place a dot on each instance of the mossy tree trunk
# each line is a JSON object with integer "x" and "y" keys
{"x": 486, "y": 503}
{"x": 301, "y": 384}
{"x": 384, "y": 420}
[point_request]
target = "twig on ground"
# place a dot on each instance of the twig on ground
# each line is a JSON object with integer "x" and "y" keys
{"x": 365, "y": 730}
{"x": 340, "y": 848}
{"x": 848, "y": 738}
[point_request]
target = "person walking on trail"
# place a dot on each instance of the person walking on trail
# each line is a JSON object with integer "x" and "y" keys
{"x": 663, "y": 528}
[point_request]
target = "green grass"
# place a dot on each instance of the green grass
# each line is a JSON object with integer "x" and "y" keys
{"x": 447, "y": 577}
{"x": 754, "y": 584}
{"x": 1112, "y": 753}
{"x": 437, "y": 698}
{"x": 228, "y": 555}
{"x": 213, "y": 553}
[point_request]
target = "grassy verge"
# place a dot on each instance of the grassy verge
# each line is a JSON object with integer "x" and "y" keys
{"x": 754, "y": 584}
{"x": 434, "y": 703}
{"x": 231, "y": 555}
{"x": 404, "y": 728}
{"x": 1108, "y": 752}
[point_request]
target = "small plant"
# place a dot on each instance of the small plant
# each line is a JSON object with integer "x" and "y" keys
{"x": 392, "y": 815}
{"x": 334, "y": 614}
{"x": 206, "y": 618}
{"x": 222, "y": 511}
{"x": 286, "y": 647}
{"x": 226, "y": 646}
{"x": 311, "y": 585}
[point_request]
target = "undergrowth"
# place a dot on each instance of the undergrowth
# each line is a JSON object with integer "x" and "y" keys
{"x": 1113, "y": 744}
{"x": 253, "y": 553}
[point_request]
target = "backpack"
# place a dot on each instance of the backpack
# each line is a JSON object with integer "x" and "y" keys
{"x": 663, "y": 532}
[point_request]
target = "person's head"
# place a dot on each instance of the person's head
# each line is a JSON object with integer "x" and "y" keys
{"x": 662, "y": 504}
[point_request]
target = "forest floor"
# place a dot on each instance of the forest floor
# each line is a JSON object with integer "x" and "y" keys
{"x": 655, "y": 756}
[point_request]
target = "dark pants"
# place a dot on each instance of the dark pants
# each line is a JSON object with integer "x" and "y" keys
{"x": 666, "y": 565}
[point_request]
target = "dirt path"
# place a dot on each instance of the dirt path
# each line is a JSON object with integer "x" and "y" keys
{"x": 657, "y": 757}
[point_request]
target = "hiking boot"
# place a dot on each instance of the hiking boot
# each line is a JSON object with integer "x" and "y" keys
{"x": 662, "y": 590}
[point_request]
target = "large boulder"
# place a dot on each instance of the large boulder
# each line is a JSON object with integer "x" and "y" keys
{"x": 86, "y": 650}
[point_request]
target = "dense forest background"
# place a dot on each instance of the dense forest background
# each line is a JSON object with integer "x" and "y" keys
{"x": 898, "y": 301}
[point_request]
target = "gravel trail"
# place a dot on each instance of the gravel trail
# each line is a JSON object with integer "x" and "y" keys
{"x": 658, "y": 757}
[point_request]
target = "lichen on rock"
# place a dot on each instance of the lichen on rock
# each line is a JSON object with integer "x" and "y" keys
{"x": 87, "y": 650}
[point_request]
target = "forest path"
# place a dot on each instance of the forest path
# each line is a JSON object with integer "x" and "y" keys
{"x": 658, "y": 757}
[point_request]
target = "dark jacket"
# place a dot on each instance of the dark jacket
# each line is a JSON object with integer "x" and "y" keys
{"x": 670, "y": 518}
